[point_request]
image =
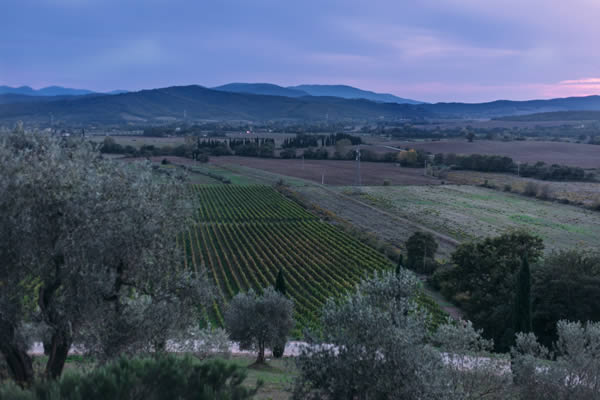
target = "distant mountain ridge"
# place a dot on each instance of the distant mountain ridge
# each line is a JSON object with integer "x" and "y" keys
{"x": 349, "y": 92}
{"x": 268, "y": 89}
{"x": 50, "y": 91}
{"x": 341, "y": 91}
{"x": 504, "y": 108}
{"x": 199, "y": 103}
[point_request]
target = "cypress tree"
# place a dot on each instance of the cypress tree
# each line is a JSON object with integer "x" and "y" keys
{"x": 280, "y": 283}
{"x": 399, "y": 266}
{"x": 522, "y": 311}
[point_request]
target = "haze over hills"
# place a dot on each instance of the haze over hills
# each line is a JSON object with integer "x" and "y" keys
{"x": 261, "y": 88}
{"x": 197, "y": 102}
{"x": 239, "y": 102}
{"x": 349, "y": 92}
{"x": 342, "y": 91}
{"x": 50, "y": 91}
{"x": 503, "y": 108}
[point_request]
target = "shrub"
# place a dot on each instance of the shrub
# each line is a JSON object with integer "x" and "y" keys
{"x": 571, "y": 371}
{"x": 531, "y": 189}
{"x": 164, "y": 377}
{"x": 544, "y": 192}
{"x": 288, "y": 153}
{"x": 386, "y": 182}
{"x": 278, "y": 351}
{"x": 507, "y": 188}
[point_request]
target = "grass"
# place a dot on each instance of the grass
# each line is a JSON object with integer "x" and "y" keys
{"x": 468, "y": 213}
{"x": 277, "y": 376}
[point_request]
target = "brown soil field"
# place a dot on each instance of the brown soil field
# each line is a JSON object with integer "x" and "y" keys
{"x": 335, "y": 172}
{"x": 574, "y": 154}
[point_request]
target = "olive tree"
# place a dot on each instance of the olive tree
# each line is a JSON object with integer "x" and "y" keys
{"x": 377, "y": 344}
{"x": 571, "y": 371}
{"x": 88, "y": 254}
{"x": 259, "y": 322}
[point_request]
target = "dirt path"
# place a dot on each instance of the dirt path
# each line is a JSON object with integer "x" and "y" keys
{"x": 387, "y": 226}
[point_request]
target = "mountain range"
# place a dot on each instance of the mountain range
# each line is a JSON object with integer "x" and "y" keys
{"x": 51, "y": 91}
{"x": 256, "y": 102}
{"x": 342, "y": 91}
{"x": 197, "y": 102}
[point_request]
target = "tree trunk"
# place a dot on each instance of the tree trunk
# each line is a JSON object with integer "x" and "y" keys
{"x": 19, "y": 363}
{"x": 57, "y": 354}
{"x": 261, "y": 353}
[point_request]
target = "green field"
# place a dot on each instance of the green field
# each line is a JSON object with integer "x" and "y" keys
{"x": 244, "y": 234}
{"x": 467, "y": 212}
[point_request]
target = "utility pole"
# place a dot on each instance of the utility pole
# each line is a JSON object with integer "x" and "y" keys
{"x": 323, "y": 178}
{"x": 518, "y": 168}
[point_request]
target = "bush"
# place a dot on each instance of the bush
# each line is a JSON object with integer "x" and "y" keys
{"x": 544, "y": 192}
{"x": 278, "y": 350}
{"x": 570, "y": 371}
{"x": 386, "y": 182}
{"x": 531, "y": 189}
{"x": 288, "y": 153}
{"x": 165, "y": 377}
{"x": 507, "y": 188}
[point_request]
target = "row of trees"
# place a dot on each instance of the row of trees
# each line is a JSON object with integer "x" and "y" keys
{"x": 493, "y": 163}
{"x": 303, "y": 140}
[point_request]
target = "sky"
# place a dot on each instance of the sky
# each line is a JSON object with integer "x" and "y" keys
{"x": 429, "y": 50}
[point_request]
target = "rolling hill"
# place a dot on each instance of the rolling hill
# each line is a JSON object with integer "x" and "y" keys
{"x": 51, "y": 91}
{"x": 199, "y": 103}
{"x": 502, "y": 108}
{"x": 47, "y": 91}
{"x": 349, "y": 92}
{"x": 261, "y": 88}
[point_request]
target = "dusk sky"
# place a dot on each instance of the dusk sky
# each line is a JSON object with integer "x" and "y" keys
{"x": 430, "y": 50}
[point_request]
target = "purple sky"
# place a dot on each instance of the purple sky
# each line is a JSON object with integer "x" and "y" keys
{"x": 431, "y": 50}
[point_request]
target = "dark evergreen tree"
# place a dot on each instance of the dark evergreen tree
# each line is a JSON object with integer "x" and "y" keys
{"x": 399, "y": 266}
{"x": 280, "y": 283}
{"x": 279, "y": 348}
{"x": 522, "y": 311}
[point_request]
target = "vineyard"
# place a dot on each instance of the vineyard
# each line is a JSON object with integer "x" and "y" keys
{"x": 243, "y": 235}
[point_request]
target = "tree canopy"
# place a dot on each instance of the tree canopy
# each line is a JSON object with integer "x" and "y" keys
{"x": 88, "y": 254}
{"x": 259, "y": 322}
{"x": 481, "y": 280}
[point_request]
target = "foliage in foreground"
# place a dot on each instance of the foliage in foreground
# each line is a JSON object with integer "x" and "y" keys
{"x": 377, "y": 345}
{"x": 87, "y": 254}
{"x": 165, "y": 377}
{"x": 570, "y": 372}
